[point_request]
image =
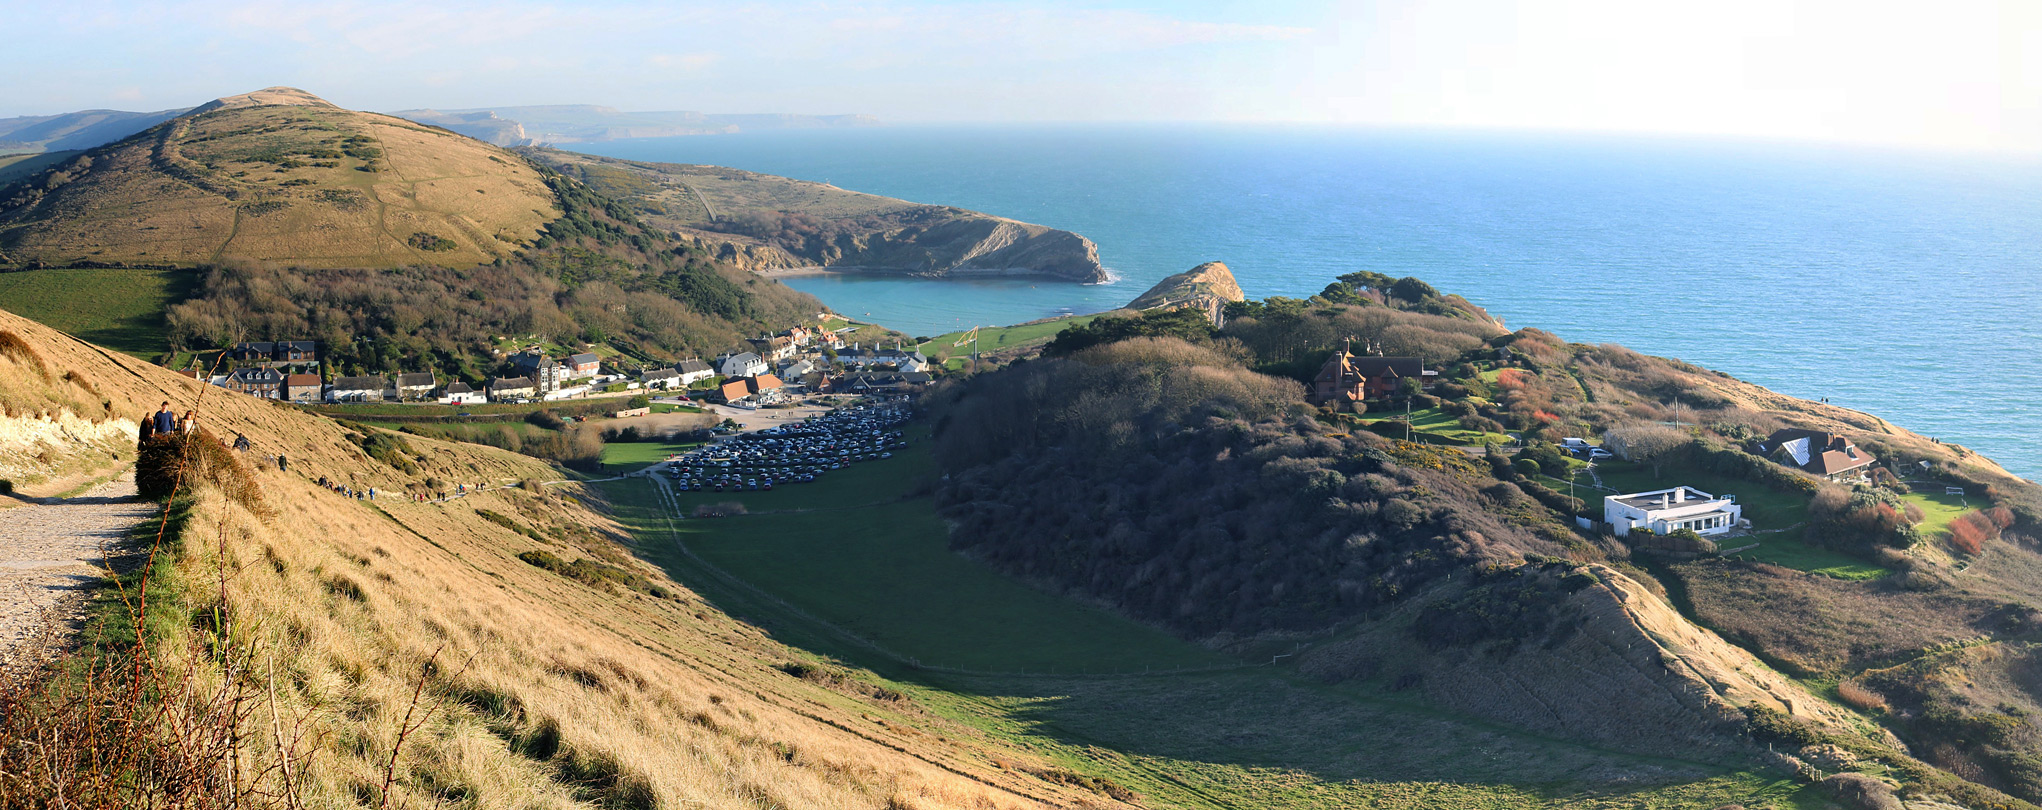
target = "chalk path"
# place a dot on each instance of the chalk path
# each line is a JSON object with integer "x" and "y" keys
{"x": 51, "y": 553}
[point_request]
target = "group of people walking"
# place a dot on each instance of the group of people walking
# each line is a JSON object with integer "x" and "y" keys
{"x": 164, "y": 422}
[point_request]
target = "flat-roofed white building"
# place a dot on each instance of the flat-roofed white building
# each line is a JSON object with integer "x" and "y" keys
{"x": 1665, "y": 510}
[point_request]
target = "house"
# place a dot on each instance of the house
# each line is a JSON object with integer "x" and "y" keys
{"x": 1339, "y": 383}
{"x": 1818, "y": 453}
{"x": 304, "y": 388}
{"x": 1386, "y": 374}
{"x": 831, "y": 340}
{"x": 1662, "y": 511}
{"x": 761, "y": 389}
{"x": 797, "y": 369}
{"x": 546, "y": 375}
{"x": 860, "y": 357}
{"x": 357, "y": 389}
{"x": 734, "y": 391}
{"x": 742, "y": 364}
{"x": 266, "y": 383}
{"x": 509, "y": 388}
{"x": 252, "y": 352}
{"x": 416, "y": 386}
{"x": 296, "y": 351}
{"x": 660, "y": 379}
{"x": 692, "y": 370}
{"x": 460, "y": 393}
{"x": 578, "y": 366}
{"x": 882, "y": 382}
{"x": 775, "y": 348}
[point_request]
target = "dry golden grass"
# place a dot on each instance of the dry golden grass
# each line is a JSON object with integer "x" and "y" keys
{"x": 358, "y": 620}
{"x": 233, "y": 183}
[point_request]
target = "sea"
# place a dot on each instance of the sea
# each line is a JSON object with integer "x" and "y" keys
{"x": 1903, "y": 283}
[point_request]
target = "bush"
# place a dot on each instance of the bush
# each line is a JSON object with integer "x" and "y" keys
{"x": 165, "y": 464}
{"x": 1525, "y": 466}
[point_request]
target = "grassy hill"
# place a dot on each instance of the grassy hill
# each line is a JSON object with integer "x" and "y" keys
{"x": 278, "y": 175}
{"x": 763, "y": 222}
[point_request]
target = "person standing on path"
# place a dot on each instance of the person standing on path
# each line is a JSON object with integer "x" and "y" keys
{"x": 166, "y": 421}
{"x": 190, "y": 424}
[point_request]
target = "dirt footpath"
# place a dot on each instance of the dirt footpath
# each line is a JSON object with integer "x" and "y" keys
{"x": 51, "y": 552}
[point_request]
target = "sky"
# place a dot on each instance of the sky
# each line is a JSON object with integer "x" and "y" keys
{"x": 1949, "y": 73}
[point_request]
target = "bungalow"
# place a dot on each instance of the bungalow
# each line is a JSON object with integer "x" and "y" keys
{"x": 692, "y": 370}
{"x": 416, "y": 386}
{"x": 460, "y": 393}
{"x": 357, "y": 389}
{"x": 303, "y": 388}
{"x": 266, "y": 383}
{"x": 742, "y": 364}
{"x": 508, "y": 388}
{"x": 1662, "y": 511}
{"x": 1818, "y": 453}
{"x": 660, "y": 379}
{"x": 578, "y": 366}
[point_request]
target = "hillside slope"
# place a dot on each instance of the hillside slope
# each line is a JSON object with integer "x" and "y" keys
{"x": 83, "y": 129}
{"x": 763, "y": 222}
{"x": 278, "y": 174}
{"x": 617, "y": 689}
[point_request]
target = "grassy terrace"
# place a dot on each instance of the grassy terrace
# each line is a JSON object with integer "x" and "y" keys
{"x": 643, "y": 453}
{"x": 1434, "y": 420}
{"x": 863, "y": 552}
{"x": 124, "y": 310}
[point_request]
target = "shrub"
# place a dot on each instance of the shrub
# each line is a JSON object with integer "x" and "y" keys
{"x": 1860, "y": 697}
{"x": 165, "y": 464}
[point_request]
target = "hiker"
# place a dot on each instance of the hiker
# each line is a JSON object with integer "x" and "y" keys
{"x": 191, "y": 422}
{"x": 166, "y": 421}
{"x": 148, "y": 429}
{"x": 240, "y": 443}
{"x": 282, "y": 464}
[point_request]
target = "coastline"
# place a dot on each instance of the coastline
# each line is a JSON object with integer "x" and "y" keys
{"x": 898, "y": 273}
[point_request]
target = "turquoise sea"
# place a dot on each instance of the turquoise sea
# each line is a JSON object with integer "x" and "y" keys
{"x": 1907, "y": 284}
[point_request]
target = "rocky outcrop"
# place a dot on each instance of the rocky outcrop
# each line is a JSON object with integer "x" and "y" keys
{"x": 1200, "y": 286}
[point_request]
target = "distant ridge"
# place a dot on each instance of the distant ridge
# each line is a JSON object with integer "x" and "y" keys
{"x": 579, "y": 123}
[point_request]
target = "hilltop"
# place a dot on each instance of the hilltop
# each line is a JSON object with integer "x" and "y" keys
{"x": 576, "y": 123}
{"x": 1208, "y": 286}
{"x": 762, "y": 222}
{"x": 278, "y": 175}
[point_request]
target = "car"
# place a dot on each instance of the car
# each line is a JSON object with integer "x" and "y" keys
{"x": 1597, "y": 454}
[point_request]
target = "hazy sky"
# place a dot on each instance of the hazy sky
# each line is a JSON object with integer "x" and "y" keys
{"x": 1942, "y": 72}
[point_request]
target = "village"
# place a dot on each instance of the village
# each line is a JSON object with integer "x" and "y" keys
{"x": 775, "y": 370}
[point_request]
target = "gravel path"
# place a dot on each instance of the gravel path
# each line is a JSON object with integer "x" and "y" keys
{"x": 51, "y": 554}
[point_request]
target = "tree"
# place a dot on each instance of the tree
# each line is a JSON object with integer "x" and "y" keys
{"x": 1644, "y": 443}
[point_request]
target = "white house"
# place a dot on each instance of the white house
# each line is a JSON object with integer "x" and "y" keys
{"x": 416, "y": 386}
{"x": 460, "y": 393}
{"x": 692, "y": 370}
{"x": 742, "y": 364}
{"x": 357, "y": 389}
{"x": 660, "y": 379}
{"x": 508, "y": 388}
{"x": 1665, "y": 510}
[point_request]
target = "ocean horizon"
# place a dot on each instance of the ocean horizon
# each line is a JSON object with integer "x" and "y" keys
{"x": 1901, "y": 283}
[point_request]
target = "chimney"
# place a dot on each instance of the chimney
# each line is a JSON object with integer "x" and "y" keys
{"x": 1680, "y": 495}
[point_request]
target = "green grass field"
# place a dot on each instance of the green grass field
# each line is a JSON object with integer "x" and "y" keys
{"x": 116, "y": 308}
{"x": 1434, "y": 420}
{"x": 643, "y": 453}
{"x": 991, "y": 339}
{"x": 865, "y": 553}
{"x": 1938, "y": 510}
{"x": 1785, "y": 550}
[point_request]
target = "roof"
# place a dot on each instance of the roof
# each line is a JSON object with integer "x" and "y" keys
{"x": 692, "y": 366}
{"x": 1816, "y": 451}
{"x": 1393, "y": 367}
{"x": 658, "y": 374}
{"x": 1664, "y": 499}
{"x": 302, "y": 380}
{"x": 509, "y": 383}
{"x": 255, "y": 346}
{"x": 458, "y": 387}
{"x": 422, "y": 379}
{"x": 303, "y": 345}
{"x": 268, "y": 375}
{"x": 764, "y": 382}
{"x": 584, "y": 358}
{"x": 360, "y": 384}
{"x": 735, "y": 390}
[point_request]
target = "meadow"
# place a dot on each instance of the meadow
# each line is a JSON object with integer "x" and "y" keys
{"x": 123, "y": 311}
{"x": 992, "y": 339}
{"x": 856, "y": 569}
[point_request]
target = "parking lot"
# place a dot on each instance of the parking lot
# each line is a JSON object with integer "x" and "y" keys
{"x": 791, "y": 454}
